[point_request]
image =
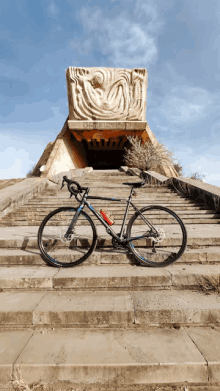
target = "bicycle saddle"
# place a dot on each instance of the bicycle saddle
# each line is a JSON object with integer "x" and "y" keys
{"x": 134, "y": 184}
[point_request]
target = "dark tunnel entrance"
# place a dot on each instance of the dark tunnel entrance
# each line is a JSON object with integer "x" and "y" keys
{"x": 105, "y": 155}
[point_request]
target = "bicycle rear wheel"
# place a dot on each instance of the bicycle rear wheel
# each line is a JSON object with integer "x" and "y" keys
{"x": 170, "y": 244}
{"x": 59, "y": 250}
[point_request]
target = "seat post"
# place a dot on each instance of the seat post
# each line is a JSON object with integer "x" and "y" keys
{"x": 125, "y": 215}
{"x": 131, "y": 193}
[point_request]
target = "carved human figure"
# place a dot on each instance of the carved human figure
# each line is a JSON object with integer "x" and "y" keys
{"x": 107, "y": 94}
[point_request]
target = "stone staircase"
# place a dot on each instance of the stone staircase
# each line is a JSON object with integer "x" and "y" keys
{"x": 109, "y": 323}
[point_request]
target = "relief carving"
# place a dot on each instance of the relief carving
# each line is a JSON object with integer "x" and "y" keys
{"x": 106, "y": 94}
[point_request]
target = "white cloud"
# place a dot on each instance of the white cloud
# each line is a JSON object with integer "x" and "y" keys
{"x": 186, "y": 104}
{"x": 208, "y": 167}
{"x": 13, "y": 171}
{"x": 128, "y": 40}
{"x": 26, "y": 112}
{"x": 82, "y": 48}
{"x": 57, "y": 28}
{"x": 53, "y": 10}
{"x": 14, "y": 163}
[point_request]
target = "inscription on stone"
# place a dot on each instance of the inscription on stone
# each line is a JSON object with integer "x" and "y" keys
{"x": 89, "y": 125}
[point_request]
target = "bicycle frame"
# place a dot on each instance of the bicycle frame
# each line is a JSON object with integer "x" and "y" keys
{"x": 109, "y": 230}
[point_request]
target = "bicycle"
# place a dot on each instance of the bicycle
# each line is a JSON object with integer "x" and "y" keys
{"x": 72, "y": 230}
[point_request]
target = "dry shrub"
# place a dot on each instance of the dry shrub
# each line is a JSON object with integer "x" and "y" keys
{"x": 19, "y": 384}
{"x": 178, "y": 168}
{"x": 197, "y": 176}
{"x": 146, "y": 156}
{"x": 209, "y": 284}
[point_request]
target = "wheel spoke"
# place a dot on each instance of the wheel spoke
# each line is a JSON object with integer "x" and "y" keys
{"x": 169, "y": 243}
{"x": 63, "y": 250}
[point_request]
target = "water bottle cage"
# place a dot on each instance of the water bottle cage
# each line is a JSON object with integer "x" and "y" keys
{"x": 107, "y": 217}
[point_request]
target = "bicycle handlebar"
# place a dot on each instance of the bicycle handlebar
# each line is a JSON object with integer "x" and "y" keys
{"x": 70, "y": 185}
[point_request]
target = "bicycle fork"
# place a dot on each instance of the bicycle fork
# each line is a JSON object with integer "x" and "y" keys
{"x": 73, "y": 222}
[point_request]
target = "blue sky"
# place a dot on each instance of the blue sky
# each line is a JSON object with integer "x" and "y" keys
{"x": 177, "y": 41}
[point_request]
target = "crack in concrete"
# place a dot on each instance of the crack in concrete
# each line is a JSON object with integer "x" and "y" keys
{"x": 13, "y": 366}
{"x": 207, "y": 364}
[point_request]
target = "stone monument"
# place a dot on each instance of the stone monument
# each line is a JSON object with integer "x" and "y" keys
{"x": 105, "y": 106}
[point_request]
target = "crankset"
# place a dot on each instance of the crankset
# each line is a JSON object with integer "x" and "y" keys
{"x": 117, "y": 245}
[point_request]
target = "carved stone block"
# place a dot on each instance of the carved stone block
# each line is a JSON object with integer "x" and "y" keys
{"x": 107, "y": 94}
{"x": 99, "y": 125}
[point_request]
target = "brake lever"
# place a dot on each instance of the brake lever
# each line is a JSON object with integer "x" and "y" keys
{"x": 63, "y": 183}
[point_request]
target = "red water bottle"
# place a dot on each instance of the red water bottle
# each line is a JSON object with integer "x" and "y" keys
{"x": 107, "y": 217}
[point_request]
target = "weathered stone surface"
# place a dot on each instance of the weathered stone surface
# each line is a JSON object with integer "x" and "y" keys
{"x": 4, "y": 183}
{"x": 121, "y": 359}
{"x": 105, "y": 106}
{"x": 124, "y": 168}
{"x": 202, "y": 192}
{"x": 116, "y": 308}
{"x": 18, "y": 308}
{"x": 110, "y": 125}
{"x": 11, "y": 345}
{"x": 106, "y": 94}
{"x": 99, "y": 125}
{"x": 134, "y": 171}
{"x": 111, "y": 276}
{"x": 176, "y": 307}
{"x": 15, "y": 195}
{"x": 65, "y": 155}
{"x": 26, "y": 277}
{"x": 117, "y": 357}
{"x": 208, "y": 341}
{"x": 194, "y": 275}
{"x": 154, "y": 177}
{"x": 83, "y": 308}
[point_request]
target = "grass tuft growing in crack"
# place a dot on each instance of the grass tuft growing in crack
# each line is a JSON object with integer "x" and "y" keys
{"x": 209, "y": 284}
{"x": 19, "y": 384}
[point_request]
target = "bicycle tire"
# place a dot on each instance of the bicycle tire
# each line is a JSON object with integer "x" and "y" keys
{"x": 59, "y": 251}
{"x": 171, "y": 246}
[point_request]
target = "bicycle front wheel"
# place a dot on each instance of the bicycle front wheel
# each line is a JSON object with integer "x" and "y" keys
{"x": 170, "y": 242}
{"x": 60, "y": 249}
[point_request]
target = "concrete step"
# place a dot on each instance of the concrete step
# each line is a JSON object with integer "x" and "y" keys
{"x": 26, "y": 237}
{"x": 109, "y": 323}
{"x": 117, "y": 214}
{"x": 92, "y": 359}
{"x": 104, "y": 277}
{"x": 138, "y": 203}
{"x": 112, "y": 192}
{"x": 22, "y": 252}
{"x": 116, "y": 205}
{"x": 175, "y": 207}
{"x": 116, "y": 211}
{"x": 142, "y": 197}
{"x": 109, "y": 308}
{"x": 109, "y": 181}
{"x": 108, "y": 171}
{"x": 112, "y": 207}
{"x": 112, "y": 186}
{"x": 23, "y": 222}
